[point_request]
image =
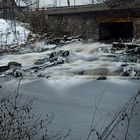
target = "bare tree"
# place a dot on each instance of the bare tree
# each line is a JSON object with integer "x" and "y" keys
{"x": 68, "y": 2}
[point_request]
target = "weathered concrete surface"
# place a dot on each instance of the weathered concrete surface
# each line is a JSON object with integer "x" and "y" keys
{"x": 137, "y": 28}
{"x": 89, "y": 8}
{"x": 85, "y": 20}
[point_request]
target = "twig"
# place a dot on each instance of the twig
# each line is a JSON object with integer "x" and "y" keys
{"x": 94, "y": 113}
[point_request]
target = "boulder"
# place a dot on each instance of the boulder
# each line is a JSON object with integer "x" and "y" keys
{"x": 39, "y": 62}
{"x": 65, "y": 53}
{"x": 41, "y": 75}
{"x": 3, "y": 68}
{"x": 14, "y": 63}
{"x": 53, "y": 54}
{"x": 137, "y": 50}
{"x": 53, "y": 59}
{"x": 102, "y": 78}
{"x": 17, "y": 73}
{"x": 125, "y": 73}
{"x": 60, "y": 60}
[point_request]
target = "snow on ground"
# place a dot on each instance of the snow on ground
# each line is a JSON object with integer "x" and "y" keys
{"x": 9, "y": 34}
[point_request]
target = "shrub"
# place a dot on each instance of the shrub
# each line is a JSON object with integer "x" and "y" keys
{"x": 17, "y": 120}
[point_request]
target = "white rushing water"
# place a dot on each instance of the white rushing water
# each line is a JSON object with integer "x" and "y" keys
{"x": 72, "y": 90}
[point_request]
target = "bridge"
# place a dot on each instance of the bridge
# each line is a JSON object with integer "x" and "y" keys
{"x": 98, "y": 21}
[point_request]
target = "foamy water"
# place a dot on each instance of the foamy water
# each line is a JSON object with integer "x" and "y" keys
{"x": 73, "y": 91}
{"x": 85, "y": 60}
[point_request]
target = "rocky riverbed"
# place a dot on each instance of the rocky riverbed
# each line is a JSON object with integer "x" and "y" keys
{"x": 71, "y": 79}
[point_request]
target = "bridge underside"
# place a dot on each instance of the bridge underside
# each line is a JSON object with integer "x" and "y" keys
{"x": 115, "y": 30}
{"x": 98, "y": 25}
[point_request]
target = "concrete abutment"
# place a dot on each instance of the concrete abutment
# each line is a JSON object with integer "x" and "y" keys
{"x": 97, "y": 25}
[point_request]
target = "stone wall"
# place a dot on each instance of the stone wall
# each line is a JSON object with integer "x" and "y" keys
{"x": 87, "y": 24}
{"x": 74, "y": 25}
{"x": 137, "y": 28}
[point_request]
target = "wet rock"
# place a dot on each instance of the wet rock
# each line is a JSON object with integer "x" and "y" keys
{"x": 124, "y": 65}
{"x": 102, "y": 78}
{"x": 111, "y": 56}
{"x": 17, "y": 73}
{"x": 60, "y": 61}
{"x": 48, "y": 76}
{"x": 53, "y": 59}
{"x": 0, "y": 86}
{"x": 65, "y": 53}
{"x": 125, "y": 73}
{"x": 134, "y": 74}
{"x": 9, "y": 72}
{"x": 65, "y": 38}
{"x": 35, "y": 68}
{"x": 39, "y": 62}
{"x": 97, "y": 71}
{"x": 137, "y": 50}
{"x": 53, "y": 54}
{"x": 41, "y": 75}
{"x": 3, "y": 68}
{"x": 79, "y": 72}
{"x": 14, "y": 63}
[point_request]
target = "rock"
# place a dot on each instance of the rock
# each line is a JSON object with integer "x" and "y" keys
{"x": 97, "y": 71}
{"x": 58, "y": 57}
{"x": 0, "y": 86}
{"x": 137, "y": 50}
{"x": 65, "y": 53}
{"x": 65, "y": 38}
{"x": 53, "y": 59}
{"x": 17, "y": 73}
{"x": 124, "y": 65}
{"x": 39, "y": 62}
{"x": 125, "y": 73}
{"x": 102, "y": 78}
{"x": 14, "y": 63}
{"x": 41, "y": 75}
{"x": 48, "y": 76}
{"x": 62, "y": 53}
{"x": 3, "y": 68}
{"x": 9, "y": 72}
{"x": 60, "y": 60}
{"x": 134, "y": 74}
{"x": 53, "y": 54}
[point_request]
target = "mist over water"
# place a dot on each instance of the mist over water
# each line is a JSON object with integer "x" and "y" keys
{"x": 72, "y": 91}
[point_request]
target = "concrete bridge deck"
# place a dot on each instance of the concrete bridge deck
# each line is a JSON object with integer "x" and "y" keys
{"x": 89, "y": 8}
{"x": 98, "y": 21}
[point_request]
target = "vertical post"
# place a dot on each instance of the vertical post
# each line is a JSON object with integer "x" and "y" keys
{"x": 68, "y": 2}
{"x": 59, "y": 2}
{"x": 13, "y": 9}
{"x": 37, "y": 2}
{"x": 74, "y": 2}
{"x": 4, "y": 9}
{"x": 55, "y": 3}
